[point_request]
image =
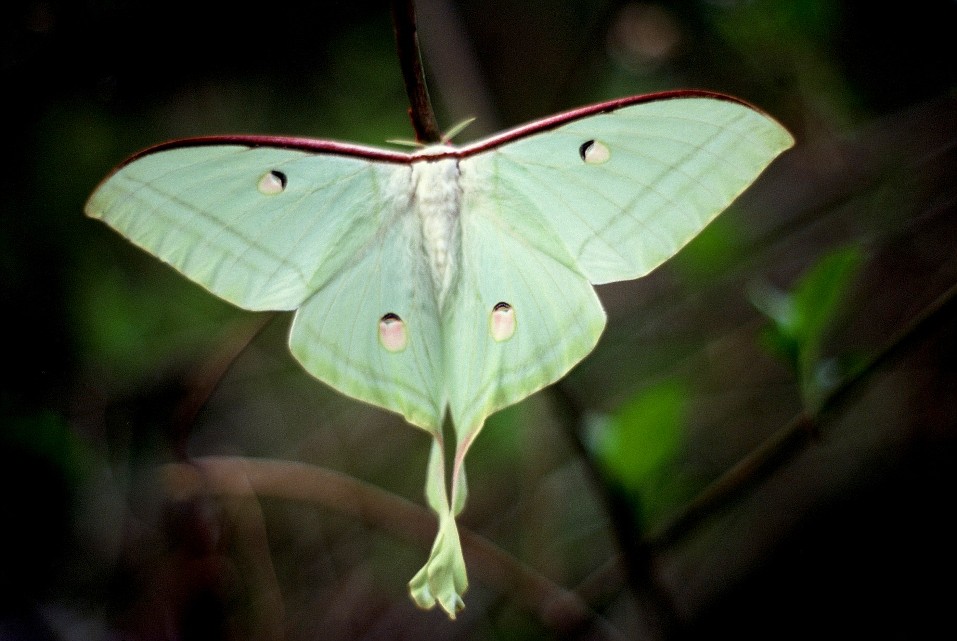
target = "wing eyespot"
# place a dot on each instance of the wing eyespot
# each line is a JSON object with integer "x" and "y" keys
{"x": 502, "y": 322}
{"x": 594, "y": 152}
{"x": 272, "y": 182}
{"x": 392, "y": 333}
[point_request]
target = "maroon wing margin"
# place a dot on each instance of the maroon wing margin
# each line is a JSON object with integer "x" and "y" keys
{"x": 399, "y": 157}
{"x": 559, "y": 119}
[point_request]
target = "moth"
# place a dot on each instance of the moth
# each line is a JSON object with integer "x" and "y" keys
{"x": 446, "y": 282}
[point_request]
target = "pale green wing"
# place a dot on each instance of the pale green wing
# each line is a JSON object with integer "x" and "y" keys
{"x": 519, "y": 315}
{"x": 212, "y": 212}
{"x": 552, "y": 320}
{"x": 625, "y": 188}
{"x": 338, "y": 332}
{"x": 602, "y": 194}
{"x": 272, "y": 228}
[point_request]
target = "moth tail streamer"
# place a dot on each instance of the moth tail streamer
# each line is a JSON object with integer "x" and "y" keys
{"x": 443, "y": 579}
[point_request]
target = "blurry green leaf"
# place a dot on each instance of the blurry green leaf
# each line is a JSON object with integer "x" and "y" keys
{"x": 504, "y": 435}
{"x": 793, "y": 40}
{"x": 135, "y": 324}
{"x": 47, "y": 435}
{"x": 800, "y": 320}
{"x": 711, "y": 251}
{"x": 766, "y": 21}
{"x": 637, "y": 444}
{"x": 361, "y": 60}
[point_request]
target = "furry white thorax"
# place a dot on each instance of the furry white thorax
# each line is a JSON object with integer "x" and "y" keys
{"x": 438, "y": 199}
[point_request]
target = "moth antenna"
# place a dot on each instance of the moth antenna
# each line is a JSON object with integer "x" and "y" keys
{"x": 405, "y": 142}
{"x": 456, "y": 130}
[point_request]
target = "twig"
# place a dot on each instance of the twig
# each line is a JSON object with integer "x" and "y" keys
{"x": 556, "y": 607}
{"x": 203, "y": 381}
{"x": 658, "y": 617}
{"x": 790, "y": 439}
{"x": 778, "y": 448}
{"x": 268, "y": 611}
{"x": 410, "y": 60}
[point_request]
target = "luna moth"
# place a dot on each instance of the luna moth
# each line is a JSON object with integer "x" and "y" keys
{"x": 449, "y": 282}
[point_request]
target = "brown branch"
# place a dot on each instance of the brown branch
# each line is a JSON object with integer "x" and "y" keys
{"x": 791, "y": 438}
{"x": 268, "y": 611}
{"x": 634, "y": 558}
{"x": 778, "y": 448}
{"x": 410, "y": 61}
{"x": 202, "y": 381}
{"x": 556, "y": 607}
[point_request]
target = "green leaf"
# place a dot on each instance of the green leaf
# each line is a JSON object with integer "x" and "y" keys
{"x": 710, "y": 252}
{"x": 134, "y": 325}
{"x": 637, "y": 444}
{"x": 801, "y": 319}
{"x": 49, "y": 436}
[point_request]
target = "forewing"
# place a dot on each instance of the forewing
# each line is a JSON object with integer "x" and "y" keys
{"x": 262, "y": 246}
{"x": 275, "y": 228}
{"x": 672, "y": 165}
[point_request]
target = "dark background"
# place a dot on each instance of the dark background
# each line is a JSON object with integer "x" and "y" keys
{"x": 761, "y": 446}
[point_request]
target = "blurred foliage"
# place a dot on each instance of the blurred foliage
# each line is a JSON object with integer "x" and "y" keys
{"x": 115, "y": 365}
{"x": 802, "y": 317}
{"x": 129, "y": 327}
{"x": 43, "y": 449}
{"x": 715, "y": 249}
{"x": 637, "y": 445}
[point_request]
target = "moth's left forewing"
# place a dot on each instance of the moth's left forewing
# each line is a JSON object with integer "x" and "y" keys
{"x": 273, "y": 224}
{"x": 210, "y": 211}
